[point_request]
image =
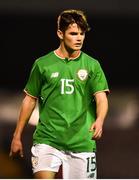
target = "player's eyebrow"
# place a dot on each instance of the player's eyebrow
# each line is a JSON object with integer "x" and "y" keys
{"x": 75, "y": 33}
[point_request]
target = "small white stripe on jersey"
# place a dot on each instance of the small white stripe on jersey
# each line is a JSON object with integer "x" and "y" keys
{"x": 30, "y": 94}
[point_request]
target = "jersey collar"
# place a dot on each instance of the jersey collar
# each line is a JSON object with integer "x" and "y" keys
{"x": 68, "y": 59}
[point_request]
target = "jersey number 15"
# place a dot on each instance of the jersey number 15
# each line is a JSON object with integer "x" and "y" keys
{"x": 67, "y": 86}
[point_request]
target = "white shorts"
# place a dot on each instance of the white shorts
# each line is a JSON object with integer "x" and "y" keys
{"x": 74, "y": 165}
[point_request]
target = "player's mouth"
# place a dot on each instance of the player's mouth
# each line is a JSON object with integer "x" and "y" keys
{"x": 78, "y": 44}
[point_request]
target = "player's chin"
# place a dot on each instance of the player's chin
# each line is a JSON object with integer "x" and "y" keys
{"x": 77, "y": 48}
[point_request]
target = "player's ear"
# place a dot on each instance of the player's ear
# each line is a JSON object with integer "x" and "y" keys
{"x": 60, "y": 34}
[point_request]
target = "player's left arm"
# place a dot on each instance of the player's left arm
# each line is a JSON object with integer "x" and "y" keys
{"x": 101, "y": 112}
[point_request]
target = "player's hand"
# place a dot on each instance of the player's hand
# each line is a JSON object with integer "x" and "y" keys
{"x": 96, "y": 128}
{"x": 16, "y": 148}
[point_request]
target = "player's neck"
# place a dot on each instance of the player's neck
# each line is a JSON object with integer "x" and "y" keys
{"x": 63, "y": 53}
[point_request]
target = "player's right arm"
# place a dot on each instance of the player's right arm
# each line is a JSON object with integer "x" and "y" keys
{"x": 27, "y": 108}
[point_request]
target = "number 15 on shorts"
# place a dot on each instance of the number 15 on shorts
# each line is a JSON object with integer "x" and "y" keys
{"x": 91, "y": 167}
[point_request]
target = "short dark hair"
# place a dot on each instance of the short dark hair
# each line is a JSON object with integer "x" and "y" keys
{"x": 71, "y": 16}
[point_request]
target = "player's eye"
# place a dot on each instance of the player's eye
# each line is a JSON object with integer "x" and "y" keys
{"x": 82, "y": 33}
{"x": 73, "y": 33}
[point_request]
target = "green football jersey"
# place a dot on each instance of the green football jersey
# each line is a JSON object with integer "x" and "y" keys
{"x": 67, "y": 109}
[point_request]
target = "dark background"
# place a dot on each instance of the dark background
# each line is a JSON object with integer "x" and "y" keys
{"x": 28, "y": 31}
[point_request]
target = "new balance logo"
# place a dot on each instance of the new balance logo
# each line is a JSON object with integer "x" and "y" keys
{"x": 55, "y": 74}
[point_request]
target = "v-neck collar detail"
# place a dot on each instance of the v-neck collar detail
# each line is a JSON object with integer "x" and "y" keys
{"x": 68, "y": 59}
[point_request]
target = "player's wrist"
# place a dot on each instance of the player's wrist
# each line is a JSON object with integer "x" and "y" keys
{"x": 17, "y": 136}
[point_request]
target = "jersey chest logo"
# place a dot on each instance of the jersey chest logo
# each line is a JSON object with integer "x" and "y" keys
{"x": 54, "y": 74}
{"x": 82, "y": 74}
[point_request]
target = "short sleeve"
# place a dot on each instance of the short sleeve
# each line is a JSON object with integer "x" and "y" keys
{"x": 98, "y": 80}
{"x": 34, "y": 83}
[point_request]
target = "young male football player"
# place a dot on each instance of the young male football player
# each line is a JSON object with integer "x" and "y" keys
{"x": 71, "y": 89}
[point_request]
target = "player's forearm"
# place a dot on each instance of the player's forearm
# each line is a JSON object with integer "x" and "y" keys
{"x": 27, "y": 108}
{"x": 101, "y": 108}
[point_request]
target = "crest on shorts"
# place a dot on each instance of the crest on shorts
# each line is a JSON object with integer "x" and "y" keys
{"x": 82, "y": 74}
{"x": 34, "y": 161}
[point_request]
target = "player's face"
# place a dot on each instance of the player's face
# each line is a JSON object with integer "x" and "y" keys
{"x": 73, "y": 37}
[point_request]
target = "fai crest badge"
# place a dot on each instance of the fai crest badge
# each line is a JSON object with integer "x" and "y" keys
{"x": 34, "y": 161}
{"x": 82, "y": 74}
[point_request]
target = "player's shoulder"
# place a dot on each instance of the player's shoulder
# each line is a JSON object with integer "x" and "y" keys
{"x": 89, "y": 58}
{"x": 43, "y": 59}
